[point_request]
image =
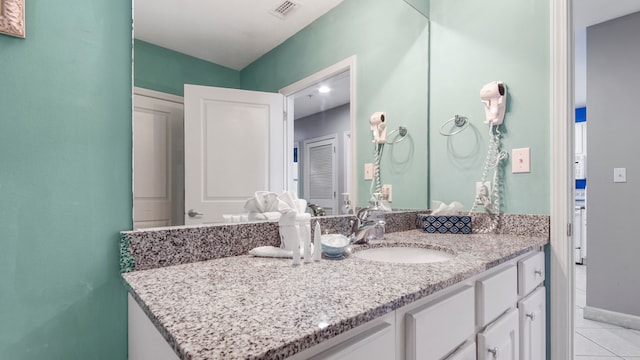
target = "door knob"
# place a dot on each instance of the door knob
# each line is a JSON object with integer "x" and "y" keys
{"x": 531, "y": 316}
{"x": 193, "y": 213}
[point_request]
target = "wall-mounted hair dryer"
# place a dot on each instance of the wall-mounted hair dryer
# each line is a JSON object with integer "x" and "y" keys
{"x": 494, "y": 97}
{"x": 378, "y": 127}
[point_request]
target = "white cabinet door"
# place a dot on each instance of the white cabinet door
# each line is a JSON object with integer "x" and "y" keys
{"x": 496, "y": 294}
{"x": 145, "y": 341}
{"x": 500, "y": 340}
{"x": 436, "y": 329}
{"x": 533, "y": 326}
{"x": 530, "y": 273}
{"x": 377, "y": 343}
{"x": 467, "y": 352}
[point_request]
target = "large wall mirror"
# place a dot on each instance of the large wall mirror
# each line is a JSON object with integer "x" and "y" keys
{"x": 332, "y": 62}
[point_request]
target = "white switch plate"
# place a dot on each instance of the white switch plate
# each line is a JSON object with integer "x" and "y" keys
{"x": 387, "y": 192}
{"x": 368, "y": 171}
{"x": 619, "y": 175}
{"x": 520, "y": 160}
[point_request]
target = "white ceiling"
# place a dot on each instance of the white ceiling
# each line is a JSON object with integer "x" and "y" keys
{"x": 231, "y": 33}
{"x": 310, "y": 101}
{"x": 235, "y": 33}
{"x": 591, "y": 12}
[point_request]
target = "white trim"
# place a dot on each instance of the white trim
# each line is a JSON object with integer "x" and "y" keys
{"x": 561, "y": 200}
{"x": 347, "y": 159}
{"x": 158, "y": 95}
{"x": 612, "y": 317}
{"x": 348, "y": 64}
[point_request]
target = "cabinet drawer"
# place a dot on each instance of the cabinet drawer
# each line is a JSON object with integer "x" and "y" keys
{"x": 495, "y": 294}
{"x": 377, "y": 343}
{"x": 437, "y": 328}
{"x": 530, "y": 273}
{"x": 500, "y": 340}
{"x": 467, "y": 352}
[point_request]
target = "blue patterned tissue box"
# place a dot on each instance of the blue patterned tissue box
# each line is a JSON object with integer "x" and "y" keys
{"x": 445, "y": 224}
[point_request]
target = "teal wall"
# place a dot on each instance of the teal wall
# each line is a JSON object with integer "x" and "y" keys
{"x": 65, "y": 181}
{"x": 474, "y": 43}
{"x": 391, "y": 43}
{"x": 421, "y": 5}
{"x": 160, "y": 69}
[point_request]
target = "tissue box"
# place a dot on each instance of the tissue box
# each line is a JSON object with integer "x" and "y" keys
{"x": 445, "y": 224}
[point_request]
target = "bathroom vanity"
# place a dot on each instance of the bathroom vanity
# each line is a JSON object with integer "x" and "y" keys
{"x": 488, "y": 298}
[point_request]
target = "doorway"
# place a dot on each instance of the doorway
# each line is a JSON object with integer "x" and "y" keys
{"x": 321, "y": 107}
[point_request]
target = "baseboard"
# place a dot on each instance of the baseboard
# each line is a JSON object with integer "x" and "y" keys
{"x": 612, "y": 317}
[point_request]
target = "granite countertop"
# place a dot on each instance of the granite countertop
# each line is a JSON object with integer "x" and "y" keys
{"x": 261, "y": 308}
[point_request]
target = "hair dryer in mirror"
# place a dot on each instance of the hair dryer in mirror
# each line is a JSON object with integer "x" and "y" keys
{"x": 494, "y": 97}
{"x": 378, "y": 127}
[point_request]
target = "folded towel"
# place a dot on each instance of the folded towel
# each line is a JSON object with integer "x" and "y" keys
{"x": 262, "y": 202}
{"x": 274, "y": 215}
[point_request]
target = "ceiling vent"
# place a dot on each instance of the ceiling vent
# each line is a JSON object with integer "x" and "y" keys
{"x": 284, "y": 9}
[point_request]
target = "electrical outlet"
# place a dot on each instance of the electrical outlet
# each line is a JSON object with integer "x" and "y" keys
{"x": 368, "y": 171}
{"x": 387, "y": 192}
{"x": 482, "y": 191}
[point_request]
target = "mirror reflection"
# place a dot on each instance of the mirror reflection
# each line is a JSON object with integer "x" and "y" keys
{"x": 168, "y": 54}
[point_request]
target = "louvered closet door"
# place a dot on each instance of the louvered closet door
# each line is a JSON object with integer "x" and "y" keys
{"x": 320, "y": 173}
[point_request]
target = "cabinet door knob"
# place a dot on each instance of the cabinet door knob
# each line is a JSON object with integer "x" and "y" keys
{"x": 531, "y": 316}
{"x": 493, "y": 351}
{"x": 538, "y": 272}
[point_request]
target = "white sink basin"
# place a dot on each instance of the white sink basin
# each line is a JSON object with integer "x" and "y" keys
{"x": 404, "y": 255}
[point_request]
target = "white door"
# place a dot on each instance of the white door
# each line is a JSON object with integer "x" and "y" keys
{"x": 234, "y": 146}
{"x": 157, "y": 162}
{"x": 320, "y": 173}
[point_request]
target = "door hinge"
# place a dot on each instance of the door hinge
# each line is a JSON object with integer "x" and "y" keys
{"x": 569, "y": 229}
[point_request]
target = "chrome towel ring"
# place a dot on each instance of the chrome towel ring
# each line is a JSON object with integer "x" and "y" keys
{"x": 402, "y": 133}
{"x": 460, "y": 121}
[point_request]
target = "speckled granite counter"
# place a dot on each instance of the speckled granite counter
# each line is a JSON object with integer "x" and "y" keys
{"x": 259, "y": 308}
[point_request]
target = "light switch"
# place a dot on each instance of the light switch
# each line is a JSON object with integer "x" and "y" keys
{"x": 368, "y": 171}
{"x": 520, "y": 160}
{"x": 619, "y": 175}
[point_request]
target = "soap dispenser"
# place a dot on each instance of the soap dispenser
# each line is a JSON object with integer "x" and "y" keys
{"x": 375, "y": 216}
{"x": 346, "y": 204}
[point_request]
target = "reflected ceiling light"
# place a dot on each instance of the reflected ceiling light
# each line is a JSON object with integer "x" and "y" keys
{"x": 324, "y": 89}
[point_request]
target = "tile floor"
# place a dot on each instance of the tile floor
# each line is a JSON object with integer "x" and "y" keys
{"x": 600, "y": 341}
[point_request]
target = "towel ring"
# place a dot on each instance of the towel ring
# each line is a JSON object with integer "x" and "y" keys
{"x": 460, "y": 121}
{"x": 402, "y": 132}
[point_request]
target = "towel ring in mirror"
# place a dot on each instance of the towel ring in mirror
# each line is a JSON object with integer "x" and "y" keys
{"x": 402, "y": 133}
{"x": 461, "y": 122}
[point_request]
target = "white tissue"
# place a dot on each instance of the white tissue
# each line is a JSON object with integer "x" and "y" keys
{"x": 440, "y": 208}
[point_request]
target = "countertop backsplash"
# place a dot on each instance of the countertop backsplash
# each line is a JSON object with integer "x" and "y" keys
{"x": 159, "y": 247}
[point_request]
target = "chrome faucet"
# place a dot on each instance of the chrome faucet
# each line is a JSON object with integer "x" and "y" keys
{"x": 363, "y": 230}
{"x": 317, "y": 210}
